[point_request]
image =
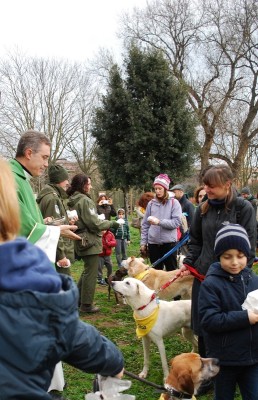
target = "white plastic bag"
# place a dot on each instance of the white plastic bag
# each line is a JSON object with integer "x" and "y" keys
{"x": 251, "y": 302}
{"x": 111, "y": 388}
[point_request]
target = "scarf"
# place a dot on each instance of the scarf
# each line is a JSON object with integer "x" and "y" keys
{"x": 144, "y": 325}
{"x": 217, "y": 203}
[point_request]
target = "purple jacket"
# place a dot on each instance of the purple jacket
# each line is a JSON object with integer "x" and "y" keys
{"x": 169, "y": 215}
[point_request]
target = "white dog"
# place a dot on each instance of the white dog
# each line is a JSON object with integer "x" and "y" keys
{"x": 165, "y": 318}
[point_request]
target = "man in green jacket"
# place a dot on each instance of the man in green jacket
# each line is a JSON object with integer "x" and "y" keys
{"x": 31, "y": 160}
{"x": 52, "y": 201}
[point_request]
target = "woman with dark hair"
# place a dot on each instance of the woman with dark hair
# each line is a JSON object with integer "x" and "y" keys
{"x": 199, "y": 194}
{"x": 89, "y": 228}
{"x": 222, "y": 205}
{"x": 159, "y": 224}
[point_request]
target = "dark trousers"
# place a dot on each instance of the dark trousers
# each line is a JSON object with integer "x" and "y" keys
{"x": 157, "y": 251}
{"x": 88, "y": 279}
{"x": 246, "y": 377}
{"x": 104, "y": 261}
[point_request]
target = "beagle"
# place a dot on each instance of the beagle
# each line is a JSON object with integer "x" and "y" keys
{"x": 188, "y": 371}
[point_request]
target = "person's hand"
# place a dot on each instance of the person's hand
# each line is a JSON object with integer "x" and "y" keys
{"x": 73, "y": 220}
{"x": 67, "y": 232}
{"x": 120, "y": 375}
{"x": 110, "y": 201}
{"x": 128, "y": 242}
{"x": 153, "y": 220}
{"x": 253, "y": 317}
{"x": 143, "y": 251}
{"x": 72, "y": 216}
{"x": 183, "y": 271}
{"x": 64, "y": 262}
{"x": 47, "y": 220}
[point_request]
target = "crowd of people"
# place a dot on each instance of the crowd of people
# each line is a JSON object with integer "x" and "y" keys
{"x": 41, "y": 238}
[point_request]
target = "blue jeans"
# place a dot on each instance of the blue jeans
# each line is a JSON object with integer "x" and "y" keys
{"x": 227, "y": 379}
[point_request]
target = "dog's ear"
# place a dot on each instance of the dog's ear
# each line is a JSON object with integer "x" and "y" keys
{"x": 138, "y": 289}
{"x": 185, "y": 383}
{"x": 132, "y": 271}
{"x": 180, "y": 376}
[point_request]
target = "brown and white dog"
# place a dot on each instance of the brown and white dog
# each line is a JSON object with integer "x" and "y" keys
{"x": 155, "y": 319}
{"x": 188, "y": 371}
{"x": 155, "y": 279}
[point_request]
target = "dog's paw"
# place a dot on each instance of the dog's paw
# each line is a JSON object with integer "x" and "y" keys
{"x": 143, "y": 374}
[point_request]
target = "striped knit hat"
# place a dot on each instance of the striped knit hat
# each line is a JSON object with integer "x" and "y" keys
{"x": 232, "y": 236}
{"x": 162, "y": 180}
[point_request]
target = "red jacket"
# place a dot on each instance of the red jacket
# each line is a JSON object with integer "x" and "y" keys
{"x": 108, "y": 241}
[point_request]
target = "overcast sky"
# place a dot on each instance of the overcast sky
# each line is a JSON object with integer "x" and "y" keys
{"x": 70, "y": 29}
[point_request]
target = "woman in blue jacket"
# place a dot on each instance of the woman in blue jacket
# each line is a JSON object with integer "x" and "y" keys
{"x": 38, "y": 313}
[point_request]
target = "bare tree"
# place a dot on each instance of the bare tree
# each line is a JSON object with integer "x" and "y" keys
{"x": 212, "y": 46}
{"x": 47, "y": 95}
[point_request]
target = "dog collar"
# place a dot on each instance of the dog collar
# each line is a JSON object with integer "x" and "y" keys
{"x": 176, "y": 394}
{"x": 141, "y": 275}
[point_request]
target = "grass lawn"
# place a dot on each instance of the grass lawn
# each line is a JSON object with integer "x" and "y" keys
{"x": 116, "y": 323}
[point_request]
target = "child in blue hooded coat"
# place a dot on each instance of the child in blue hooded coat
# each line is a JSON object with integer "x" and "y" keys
{"x": 38, "y": 313}
{"x": 231, "y": 332}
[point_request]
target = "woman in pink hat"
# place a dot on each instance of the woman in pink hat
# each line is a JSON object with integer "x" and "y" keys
{"x": 159, "y": 225}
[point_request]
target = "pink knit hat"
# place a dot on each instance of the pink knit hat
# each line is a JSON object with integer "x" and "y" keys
{"x": 162, "y": 180}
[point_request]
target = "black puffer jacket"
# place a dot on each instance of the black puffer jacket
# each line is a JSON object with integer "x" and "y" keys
{"x": 204, "y": 228}
{"x": 225, "y": 325}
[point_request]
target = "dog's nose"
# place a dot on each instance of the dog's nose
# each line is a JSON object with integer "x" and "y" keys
{"x": 216, "y": 361}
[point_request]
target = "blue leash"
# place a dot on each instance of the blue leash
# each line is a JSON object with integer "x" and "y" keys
{"x": 175, "y": 248}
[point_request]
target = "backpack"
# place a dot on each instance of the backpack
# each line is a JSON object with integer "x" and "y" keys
{"x": 183, "y": 228}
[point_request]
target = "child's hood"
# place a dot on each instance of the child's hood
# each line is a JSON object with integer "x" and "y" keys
{"x": 25, "y": 267}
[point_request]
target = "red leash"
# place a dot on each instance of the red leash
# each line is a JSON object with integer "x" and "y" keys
{"x": 167, "y": 284}
{"x": 195, "y": 273}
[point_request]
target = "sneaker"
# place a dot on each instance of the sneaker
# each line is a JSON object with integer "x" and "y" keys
{"x": 89, "y": 309}
{"x": 102, "y": 282}
{"x": 56, "y": 396}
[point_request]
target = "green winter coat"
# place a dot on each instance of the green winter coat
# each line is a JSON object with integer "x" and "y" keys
{"x": 52, "y": 201}
{"x": 88, "y": 224}
{"x": 32, "y": 224}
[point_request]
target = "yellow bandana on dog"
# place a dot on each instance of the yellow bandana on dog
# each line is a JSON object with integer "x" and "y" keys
{"x": 141, "y": 275}
{"x": 144, "y": 325}
{"x": 162, "y": 397}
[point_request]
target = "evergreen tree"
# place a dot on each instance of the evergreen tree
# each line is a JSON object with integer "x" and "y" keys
{"x": 144, "y": 126}
{"x": 111, "y": 127}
